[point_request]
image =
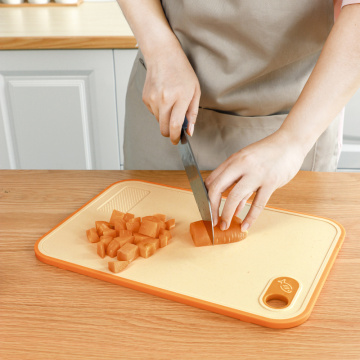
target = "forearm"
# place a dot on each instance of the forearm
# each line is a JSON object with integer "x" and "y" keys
{"x": 149, "y": 25}
{"x": 334, "y": 80}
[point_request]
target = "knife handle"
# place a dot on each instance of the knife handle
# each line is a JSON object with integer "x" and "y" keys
{"x": 185, "y": 124}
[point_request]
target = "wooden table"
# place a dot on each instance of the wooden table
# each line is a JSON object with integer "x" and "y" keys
{"x": 49, "y": 313}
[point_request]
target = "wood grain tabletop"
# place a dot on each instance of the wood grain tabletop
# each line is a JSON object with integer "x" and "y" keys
{"x": 50, "y": 313}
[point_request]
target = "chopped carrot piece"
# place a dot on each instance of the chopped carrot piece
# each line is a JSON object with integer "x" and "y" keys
{"x": 123, "y": 233}
{"x": 170, "y": 224}
{"x": 117, "y": 266}
{"x": 102, "y": 226}
{"x": 101, "y": 249}
{"x": 135, "y": 219}
{"x": 125, "y": 239}
{"x": 161, "y": 217}
{"x": 128, "y": 252}
{"x": 162, "y": 225}
{"x": 166, "y": 232}
{"x": 116, "y": 215}
{"x": 128, "y": 216}
{"x": 120, "y": 224}
{"x": 146, "y": 249}
{"x": 149, "y": 228}
{"x": 106, "y": 240}
{"x": 164, "y": 240}
{"x": 150, "y": 218}
{"x": 133, "y": 226}
{"x": 156, "y": 242}
{"x": 200, "y": 236}
{"x": 139, "y": 237}
{"x": 92, "y": 235}
{"x": 113, "y": 247}
{"x": 109, "y": 232}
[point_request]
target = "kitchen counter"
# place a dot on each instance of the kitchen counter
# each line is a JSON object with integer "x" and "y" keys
{"x": 91, "y": 25}
{"x": 47, "y": 312}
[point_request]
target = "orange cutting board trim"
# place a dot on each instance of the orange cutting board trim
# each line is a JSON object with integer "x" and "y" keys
{"x": 241, "y": 315}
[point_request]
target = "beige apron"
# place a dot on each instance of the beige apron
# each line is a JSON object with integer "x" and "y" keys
{"x": 252, "y": 58}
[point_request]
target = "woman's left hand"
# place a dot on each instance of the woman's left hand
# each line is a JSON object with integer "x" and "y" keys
{"x": 261, "y": 167}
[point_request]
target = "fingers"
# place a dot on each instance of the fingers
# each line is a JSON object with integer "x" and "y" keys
{"x": 218, "y": 186}
{"x": 193, "y": 110}
{"x": 242, "y": 204}
{"x": 176, "y": 120}
{"x": 241, "y": 191}
{"x": 261, "y": 198}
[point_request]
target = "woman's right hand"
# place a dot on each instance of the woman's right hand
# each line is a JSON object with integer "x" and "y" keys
{"x": 171, "y": 91}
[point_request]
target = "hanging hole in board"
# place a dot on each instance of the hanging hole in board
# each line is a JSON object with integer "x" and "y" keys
{"x": 276, "y": 301}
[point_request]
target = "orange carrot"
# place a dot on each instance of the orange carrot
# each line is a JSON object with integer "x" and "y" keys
{"x": 106, "y": 240}
{"x": 101, "y": 249}
{"x": 117, "y": 266}
{"x": 124, "y": 239}
{"x": 116, "y": 215}
{"x": 112, "y": 248}
{"x": 128, "y": 216}
{"x": 165, "y": 232}
{"x": 200, "y": 236}
{"x": 146, "y": 249}
{"x": 123, "y": 233}
{"x": 109, "y": 232}
{"x": 170, "y": 224}
{"x": 119, "y": 224}
{"x": 128, "y": 252}
{"x": 92, "y": 235}
{"x": 149, "y": 228}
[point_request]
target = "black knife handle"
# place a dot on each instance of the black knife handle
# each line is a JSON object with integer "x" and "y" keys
{"x": 185, "y": 124}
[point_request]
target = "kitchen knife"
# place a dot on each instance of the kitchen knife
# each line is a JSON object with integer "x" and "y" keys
{"x": 195, "y": 179}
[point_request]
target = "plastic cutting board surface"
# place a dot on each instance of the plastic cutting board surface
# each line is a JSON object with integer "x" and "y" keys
{"x": 286, "y": 256}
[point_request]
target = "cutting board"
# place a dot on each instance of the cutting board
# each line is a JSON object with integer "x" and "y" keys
{"x": 272, "y": 278}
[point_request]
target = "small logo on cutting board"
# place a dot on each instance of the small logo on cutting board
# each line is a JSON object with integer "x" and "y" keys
{"x": 284, "y": 286}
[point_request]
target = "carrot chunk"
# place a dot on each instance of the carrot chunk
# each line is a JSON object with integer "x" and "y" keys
{"x": 92, "y": 235}
{"x": 139, "y": 237}
{"x": 112, "y": 248}
{"x": 124, "y": 240}
{"x": 116, "y": 215}
{"x": 133, "y": 226}
{"x": 128, "y": 216}
{"x": 106, "y": 240}
{"x": 117, "y": 266}
{"x": 109, "y": 232}
{"x": 149, "y": 228}
{"x": 128, "y": 252}
{"x": 119, "y": 224}
{"x": 123, "y": 233}
{"x": 101, "y": 249}
{"x": 153, "y": 241}
{"x": 200, "y": 236}
{"x": 146, "y": 249}
{"x": 170, "y": 224}
{"x": 164, "y": 240}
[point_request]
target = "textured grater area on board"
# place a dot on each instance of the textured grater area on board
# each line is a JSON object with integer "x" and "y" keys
{"x": 286, "y": 256}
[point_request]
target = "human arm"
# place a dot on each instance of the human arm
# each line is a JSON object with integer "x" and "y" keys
{"x": 272, "y": 162}
{"x": 171, "y": 88}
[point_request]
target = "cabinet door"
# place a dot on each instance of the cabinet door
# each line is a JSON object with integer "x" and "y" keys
{"x": 58, "y": 110}
{"x": 124, "y": 60}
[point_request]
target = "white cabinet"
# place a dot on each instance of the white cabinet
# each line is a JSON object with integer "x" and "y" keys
{"x": 350, "y": 155}
{"x": 58, "y": 108}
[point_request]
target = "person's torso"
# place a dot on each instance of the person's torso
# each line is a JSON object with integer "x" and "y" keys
{"x": 252, "y": 57}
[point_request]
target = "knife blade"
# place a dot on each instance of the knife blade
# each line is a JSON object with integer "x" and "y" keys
{"x": 195, "y": 179}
